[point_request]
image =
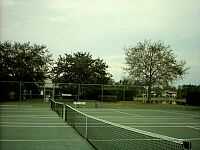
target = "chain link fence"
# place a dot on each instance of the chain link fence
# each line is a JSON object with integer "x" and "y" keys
{"x": 24, "y": 91}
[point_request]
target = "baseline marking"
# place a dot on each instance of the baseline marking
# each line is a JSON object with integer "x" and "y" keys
{"x": 29, "y": 116}
{"x": 35, "y": 140}
{"x": 64, "y": 140}
{"x": 179, "y": 113}
{"x": 196, "y": 127}
{"x": 146, "y": 117}
{"x": 12, "y": 126}
{"x": 127, "y": 113}
{"x": 164, "y": 126}
{"x": 163, "y": 123}
{"x": 31, "y": 123}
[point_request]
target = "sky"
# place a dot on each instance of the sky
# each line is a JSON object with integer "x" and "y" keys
{"x": 105, "y": 27}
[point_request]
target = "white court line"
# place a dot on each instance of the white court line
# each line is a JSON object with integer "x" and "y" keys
{"x": 171, "y": 112}
{"x": 27, "y": 107}
{"x": 25, "y": 110}
{"x": 113, "y": 110}
{"x": 196, "y": 127}
{"x": 194, "y": 139}
{"x": 126, "y": 113}
{"x": 21, "y": 123}
{"x": 20, "y": 106}
{"x": 145, "y": 117}
{"x": 64, "y": 123}
{"x": 75, "y": 140}
{"x": 140, "y": 116}
{"x": 107, "y": 126}
{"x": 116, "y": 110}
{"x": 162, "y": 126}
{"x": 32, "y": 123}
{"x": 8, "y": 105}
{"x": 35, "y": 140}
{"x": 66, "y": 126}
{"x": 28, "y": 116}
{"x": 162, "y": 123}
{"x": 13, "y": 126}
{"x": 179, "y": 113}
{"x": 96, "y": 110}
{"x": 150, "y": 139}
{"x": 142, "y": 139}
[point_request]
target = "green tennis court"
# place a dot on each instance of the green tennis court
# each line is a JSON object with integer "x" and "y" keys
{"x": 34, "y": 126}
{"x": 109, "y": 126}
{"x": 142, "y": 127}
{"x": 172, "y": 123}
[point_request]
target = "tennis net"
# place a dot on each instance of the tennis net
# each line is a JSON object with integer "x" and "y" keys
{"x": 58, "y": 107}
{"x": 103, "y": 134}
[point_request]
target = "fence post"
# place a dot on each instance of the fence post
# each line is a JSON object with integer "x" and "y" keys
{"x": 20, "y": 91}
{"x": 124, "y": 92}
{"x": 64, "y": 111}
{"x": 44, "y": 93}
{"x": 79, "y": 86}
{"x": 102, "y": 88}
{"x": 86, "y": 128}
{"x": 53, "y": 92}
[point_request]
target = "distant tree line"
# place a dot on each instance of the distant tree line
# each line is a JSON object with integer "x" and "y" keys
{"x": 23, "y": 61}
{"x": 33, "y": 63}
{"x": 80, "y": 67}
{"x": 26, "y": 62}
{"x": 149, "y": 64}
{"x": 189, "y": 92}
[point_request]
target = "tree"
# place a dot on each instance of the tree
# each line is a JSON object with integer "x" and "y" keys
{"x": 80, "y": 67}
{"x": 154, "y": 64}
{"x": 23, "y": 61}
{"x": 189, "y": 92}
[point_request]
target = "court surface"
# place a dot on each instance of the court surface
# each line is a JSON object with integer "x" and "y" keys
{"x": 182, "y": 124}
{"x": 36, "y": 127}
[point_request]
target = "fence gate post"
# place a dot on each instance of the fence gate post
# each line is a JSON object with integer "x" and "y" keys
{"x": 20, "y": 91}
{"x": 102, "y": 92}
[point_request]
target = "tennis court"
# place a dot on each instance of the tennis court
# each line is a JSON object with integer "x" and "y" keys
{"x": 34, "y": 126}
{"x": 31, "y": 126}
{"x": 137, "y": 128}
{"x": 172, "y": 123}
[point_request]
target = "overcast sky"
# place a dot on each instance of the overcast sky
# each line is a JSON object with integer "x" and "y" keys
{"x": 105, "y": 27}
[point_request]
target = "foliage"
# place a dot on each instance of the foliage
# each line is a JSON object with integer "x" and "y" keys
{"x": 80, "y": 67}
{"x": 23, "y": 61}
{"x": 154, "y": 64}
{"x": 189, "y": 92}
{"x": 124, "y": 81}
